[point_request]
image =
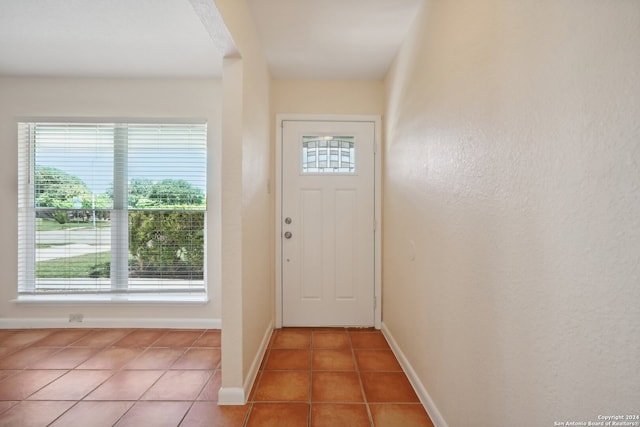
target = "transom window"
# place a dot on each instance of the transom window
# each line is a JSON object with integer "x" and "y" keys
{"x": 328, "y": 154}
{"x": 113, "y": 208}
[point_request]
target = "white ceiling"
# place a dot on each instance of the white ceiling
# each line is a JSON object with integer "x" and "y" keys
{"x": 332, "y": 39}
{"x": 110, "y": 38}
{"x": 302, "y": 39}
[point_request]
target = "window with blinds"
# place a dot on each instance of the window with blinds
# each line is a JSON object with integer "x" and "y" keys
{"x": 111, "y": 208}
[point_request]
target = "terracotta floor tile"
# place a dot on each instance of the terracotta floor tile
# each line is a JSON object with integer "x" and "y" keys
{"x": 25, "y": 383}
{"x": 199, "y": 358}
{"x": 5, "y": 333}
{"x": 388, "y": 387}
{"x": 377, "y": 360}
{"x": 288, "y": 360}
{"x": 6, "y": 373}
{"x": 254, "y": 388}
{"x": 408, "y": 415}
{"x": 94, "y": 414}
{"x": 101, "y": 337}
{"x": 210, "y": 391}
{"x": 292, "y": 338}
{"x": 26, "y": 357}
{"x": 125, "y": 385}
{"x": 336, "y": 415}
{"x": 178, "y": 385}
{"x": 67, "y": 358}
{"x": 62, "y": 338}
{"x": 24, "y": 337}
{"x": 155, "y": 358}
{"x": 156, "y": 414}
{"x": 33, "y": 414}
{"x": 283, "y": 386}
{"x": 272, "y": 338}
{"x": 209, "y": 339}
{"x": 72, "y": 386}
{"x": 4, "y": 405}
{"x": 209, "y": 414}
{"x": 279, "y": 415}
{"x": 308, "y": 377}
{"x": 333, "y": 360}
{"x": 140, "y": 338}
{"x": 340, "y": 387}
{"x": 5, "y": 351}
{"x": 111, "y": 358}
{"x": 265, "y": 357}
{"x": 181, "y": 338}
{"x": 331, "y": 339}
{"x": 369, "y": 340}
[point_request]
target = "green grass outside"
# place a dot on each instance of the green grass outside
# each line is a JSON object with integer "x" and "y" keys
{"x": 49, "y": 245}
{"x": 52, "y": 225}
{"x": 71, "y": 268}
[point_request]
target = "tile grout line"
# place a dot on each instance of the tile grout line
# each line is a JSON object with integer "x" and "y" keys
{"x": 358, "y": 372}
{"x": 166, "y": 370}
{"x": 311, "y": 350}
{"x": 113, "y": 373}
{"x": 77, "y": 401}
{"x": 251, "y": 399}
{"x": 193, "y": 402}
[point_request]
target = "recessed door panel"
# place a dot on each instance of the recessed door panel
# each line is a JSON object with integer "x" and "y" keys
{"x": 346, "y": 244}
{"x": 311, "y": 242}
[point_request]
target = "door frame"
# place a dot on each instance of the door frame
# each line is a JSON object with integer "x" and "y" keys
{"x": 377, "y": 144}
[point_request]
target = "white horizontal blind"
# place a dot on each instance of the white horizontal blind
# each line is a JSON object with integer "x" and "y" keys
{"x": 112, "y": 208}
{"x": 166, "y": 201}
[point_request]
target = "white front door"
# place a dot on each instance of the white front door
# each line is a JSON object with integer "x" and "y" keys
{"x": 328, "y": 223}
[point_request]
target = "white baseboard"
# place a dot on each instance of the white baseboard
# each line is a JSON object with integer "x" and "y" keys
{"x": 257, "y": 361}
{"x": 421, "y": 391}
{"x": 237, "y": 395}
{"x": 60, "y": 322}
{"x": 231, "y": 396}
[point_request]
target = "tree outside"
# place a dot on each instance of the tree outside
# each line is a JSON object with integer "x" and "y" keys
{"x": 168, "y": 244}
{"x": 166, "y": 223}
{"x": 55, "y": 188}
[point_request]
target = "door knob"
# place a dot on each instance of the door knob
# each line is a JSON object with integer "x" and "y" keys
{"x": 287, "y": 220}
{"x": 287, "y": 235}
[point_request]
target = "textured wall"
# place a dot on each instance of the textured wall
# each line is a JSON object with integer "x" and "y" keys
{"x": 512, "y": 209}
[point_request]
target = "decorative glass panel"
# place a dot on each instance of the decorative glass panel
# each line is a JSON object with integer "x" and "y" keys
{"x": 328, "y": 154}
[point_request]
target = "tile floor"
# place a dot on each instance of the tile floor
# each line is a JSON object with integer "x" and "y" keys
{"x": 153, "y": 377}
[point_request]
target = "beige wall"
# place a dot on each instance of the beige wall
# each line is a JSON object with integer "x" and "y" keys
{"x": 512, "y": 207}
{"x": 247, "y": 215}
{"x": 327, "y": 97}
{"x": 138, "y": 98}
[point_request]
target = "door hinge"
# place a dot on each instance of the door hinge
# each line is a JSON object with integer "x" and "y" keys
{"x": 375, "y": 302}
{"x": 375, "y": 225}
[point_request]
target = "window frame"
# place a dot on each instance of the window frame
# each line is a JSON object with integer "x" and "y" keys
{"x": 27, "y": 225}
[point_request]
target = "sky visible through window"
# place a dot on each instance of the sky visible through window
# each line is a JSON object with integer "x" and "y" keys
{"x": 93, "y": 163}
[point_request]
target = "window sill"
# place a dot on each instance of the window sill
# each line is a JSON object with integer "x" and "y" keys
{"x": 168, "y": 299}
